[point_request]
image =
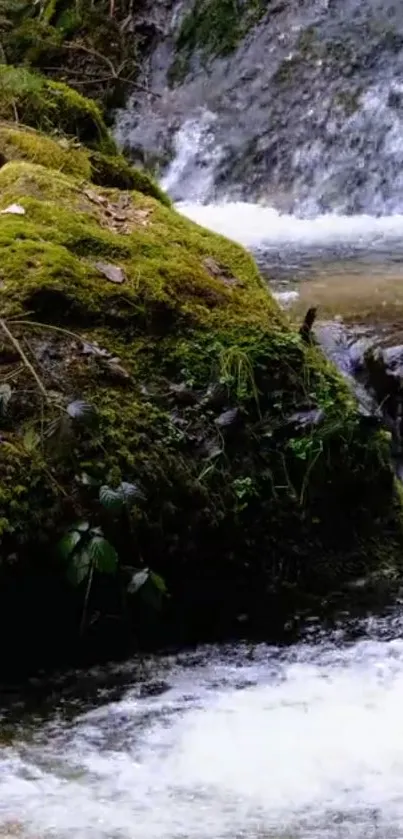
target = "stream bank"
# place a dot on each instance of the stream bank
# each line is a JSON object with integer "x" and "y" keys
{"x": 192, "y": 453}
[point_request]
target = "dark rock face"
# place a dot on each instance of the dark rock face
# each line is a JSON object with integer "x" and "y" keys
{"x": 375, "y": 375}
{"x": 383, "y": 370}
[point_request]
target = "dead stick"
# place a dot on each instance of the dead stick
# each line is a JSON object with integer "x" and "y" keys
{"x": 306, "y": 328}
{"x": 23, "y": 357}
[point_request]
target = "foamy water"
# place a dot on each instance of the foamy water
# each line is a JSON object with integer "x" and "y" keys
{"x": 258, "y": 226}
{"x": 243, "y": 742}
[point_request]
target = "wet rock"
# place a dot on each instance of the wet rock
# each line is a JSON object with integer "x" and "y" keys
{"x": 393, "y": 359}
{"x": 183, "y": 394}
{"x": 216, "y": 396}
{"x": 384, "y": 377}
{"x": 156, "y": 688}
{"x": 303, "y": 419}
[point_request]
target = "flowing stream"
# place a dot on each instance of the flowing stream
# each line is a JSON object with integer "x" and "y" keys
{"x": 236, "y": 742}
{"x": 243, "y": 741}
{"x": 253, "y": 742}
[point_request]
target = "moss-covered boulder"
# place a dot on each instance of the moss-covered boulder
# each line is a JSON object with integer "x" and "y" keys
{"x": 256, "y": 475}
{"x": 66, "y": 155}
{"x": 32, "y": 99}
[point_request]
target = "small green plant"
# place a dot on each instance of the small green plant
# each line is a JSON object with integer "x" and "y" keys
{"x": 244, "y": 490}
{"x": 149, "y": 585}
{"x": 305, "y": 447}
{"x": 236, "y": 371}
{"x": 308, "y": 450}
{"x": 86, "y": 551}
{"x": 119, "y": 499}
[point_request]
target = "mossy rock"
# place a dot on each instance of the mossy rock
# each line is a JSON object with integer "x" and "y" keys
{"x": 23, "y": 143}
{"x": 258, "y": 473}
{"x": 115, "y": 171}
{"x": 71, "y": 158}
{"x": 52, "y": 106}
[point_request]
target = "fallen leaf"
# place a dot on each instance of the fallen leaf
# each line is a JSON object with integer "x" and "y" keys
{"x": 227, "y": 418}
{"x": 14, "y": 209}
{"x": 113, "y": 273}
{"x": 218, "y": 272}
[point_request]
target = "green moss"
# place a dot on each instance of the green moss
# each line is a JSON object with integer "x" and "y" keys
{"x": 348, "y": 100}
{"x": 51, "y": 106}
{"x": 115, "y": 171}
{"x": 67, "y": 156}
{"x": 262, "y": 504}
{"x": 30, "y": 40}
{"x": 18, "y": 143}
{"x": 214, "y": 29}
{"x": 74, "y": 43}
{"x": 162, "y": 255}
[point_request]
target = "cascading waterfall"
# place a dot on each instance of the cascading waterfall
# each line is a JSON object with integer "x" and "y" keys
{"x": 307, "y": 111}
{"x": 191, "y": 173}
{"x": 262, "y": 228}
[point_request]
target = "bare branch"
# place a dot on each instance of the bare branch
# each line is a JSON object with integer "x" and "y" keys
{"x": 94, "y": 53}
{"x": 16, "y": 344}
{"x": 103, "y": 79}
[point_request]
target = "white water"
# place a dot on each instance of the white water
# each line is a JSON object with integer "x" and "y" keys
{"x": 247, "y": 743}
{"x": 191, "y": 175}
{"x": 196, "y": 157}
{"x": 258, "y": 226}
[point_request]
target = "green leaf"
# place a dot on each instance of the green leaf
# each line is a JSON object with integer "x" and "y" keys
{"x": 68, "y": 543}
{"x": 5, "y": 396}
{"x": 79, "y": 566}
{"x": 81, "y": 526}
{"x": 158, "y": 582}
{"x": 111, "y": 499}
{"x": 82, "y": 412}
{"x": 30, "y": 440}
{"x": 151, "y": 593}
{"x": 130, "y": 492}
{"x": 138, "y": 580}
{"x": 103, "y": 555}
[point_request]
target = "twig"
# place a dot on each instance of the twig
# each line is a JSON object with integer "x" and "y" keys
{"x": 306, "y": 328}
{"x": 94, "y": 53}
{"x": 86, "y": 599}
{"x": 52, "y": 328}
{"x": 16, "y": 116}
{"x": 136, "y": 85}
{"x": 16, "y": 344}
{"x": 116, "y": 73}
